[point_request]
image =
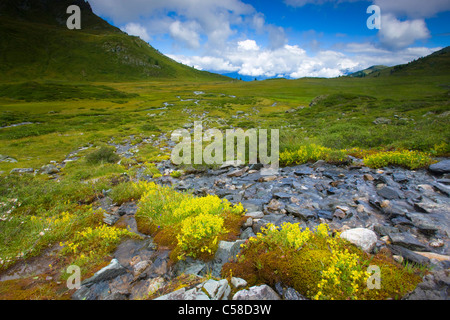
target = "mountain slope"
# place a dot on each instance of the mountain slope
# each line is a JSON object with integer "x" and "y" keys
{"x": 437, "y": 63}
{"x": 366, "y": 72}
{"x": 36, "y": 44}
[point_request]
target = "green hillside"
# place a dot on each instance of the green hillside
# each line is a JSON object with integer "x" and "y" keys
{"x": 368, "y": 71}
{"x": 35, "y": 44}
{"x": 435, "y": 64}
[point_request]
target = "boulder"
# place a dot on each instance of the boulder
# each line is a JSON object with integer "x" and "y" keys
{"x": 433, "y": 287}
{"x": 297, "y": 211}
{"x": 361, "y": 237}
{"x": 208, "y": 290}
{"x": 406, "y": 240}
{"x": 389, "y": 193}
{"x": 114, "y": 269}
{"x": 382, "y": 120}
{"x": 238, "y": 282}
{"x": 22, "y": 170}
{"x": 49, "y": 169}
{"x": 440, "y": 167}
{"x": 263, "y": 292}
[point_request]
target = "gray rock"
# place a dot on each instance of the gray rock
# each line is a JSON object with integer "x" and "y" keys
{"x": 208, "y": 290}
{"x": 114, "y": 269}
{"x": 110, "y": 219}
{"x": 303, "y": 172}
{"x": 406, "y": 240}
{"x": 361, "y": 237}
{"x": 434, "y": 286}
{"x": 253, "y": 205}
{"x": 288, "y": 293}
{"x": 227, "y": 250}
{"x": 22, "y": 170}
{"x": 440, "y": 167}
{"x": 424, "y": 222}
{"x": 217, "y": 290}
{"x": 237, "y": 173}
{"x": 299, "y": 212}
{"x": 191, "y": 266}
{"x": 389, "y": 193}
{"x": 238, "y": 282}
{"x": 4, "y": 158}
{"x": 382, "y": 120}
{"x": 409, "y": 255}
{"x": 183, "y": 294}
{"x": 49, "y": 169}
{"x": 441, "y": 188}
{"x": 247, "y": 233}
{"x": 263, "y": 292}
{"x": 128, "y": 208}
{"x": 255, "y": 214}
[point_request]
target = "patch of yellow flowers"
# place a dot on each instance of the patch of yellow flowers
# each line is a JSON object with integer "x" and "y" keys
{"x": 311, "y": 152}
{"x": 199, "y": 234}
{"x": 92, "y": 242}
{"x": 345, "y": 274}
{"x": 405, "y": 158}
{"x": 289, "y": 235}
{"x": 201, "y": 219}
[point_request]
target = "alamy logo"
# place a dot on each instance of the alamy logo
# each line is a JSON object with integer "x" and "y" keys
{"x": 234, "y": 142}
{"x": 74, "y": 21}
{"x": 374, "y": 21}
{"x": 74, "y": 281}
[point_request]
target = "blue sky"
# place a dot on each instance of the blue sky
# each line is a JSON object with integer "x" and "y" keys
{"x": 283, "y": 38}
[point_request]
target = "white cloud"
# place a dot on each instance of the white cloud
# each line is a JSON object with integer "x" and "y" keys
{"x": 301, "y": 3}
{"x": 400, "y": 34}
{"x": 291, "y": 61}
{"x": 247, "y": 45}
{"x": 247, "y": 58}
{"x": 187, "y": 33}
{"x": 181, "y": 18}
{"x": 413, "y": 8}
{"x": 410, "y": 8}
{"x": 135, "y": 29}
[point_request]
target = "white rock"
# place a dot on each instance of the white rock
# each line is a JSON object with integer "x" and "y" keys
{"x": 361, "y": 237}
{"x": 263, "y": 292}
{"x": 238, "y": 282}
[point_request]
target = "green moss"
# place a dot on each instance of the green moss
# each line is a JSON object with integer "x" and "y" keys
{"x": 261, "y": 261}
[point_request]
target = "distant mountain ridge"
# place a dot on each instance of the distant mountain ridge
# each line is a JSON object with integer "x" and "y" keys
{"x": 368, "y": 71}
{"x": 437, "y": 63}
{"x": 35, "y": 44}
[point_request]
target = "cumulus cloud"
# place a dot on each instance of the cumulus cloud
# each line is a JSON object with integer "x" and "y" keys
{"x": 287, "y": 61}
{"x": 301, "y": 3}
{"x": 135, "y": 29}
{"x": 247, "y": 45}
{"x": 397, "y": 34}
{"x": 249, "y": 59}
{"x": 413, "y": 8}
{"x": 184, "y": 18}
{"x": 410, "y": 8}
{"x": 187, "y": 33}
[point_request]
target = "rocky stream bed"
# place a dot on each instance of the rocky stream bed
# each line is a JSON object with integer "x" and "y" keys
{"x": 404, "y": 211}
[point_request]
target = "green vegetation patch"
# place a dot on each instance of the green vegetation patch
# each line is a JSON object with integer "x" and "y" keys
{"x": 48, "y": 91}
{"x": 192, "y": 226}
{"x": 318, "y": 265}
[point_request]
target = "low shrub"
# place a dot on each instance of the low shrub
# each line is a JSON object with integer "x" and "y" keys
{"x": 408, "y": 159}
{"x": 190, "y": 225}
{"x": 102, "y": 155}
{"x": 91, "y": 244}
{"x": 311, "y": 153}
{"x": 318, "y": 264}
